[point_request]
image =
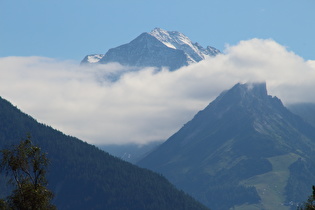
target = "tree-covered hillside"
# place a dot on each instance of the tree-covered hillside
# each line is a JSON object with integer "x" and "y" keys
{"x": 84, "y": 177}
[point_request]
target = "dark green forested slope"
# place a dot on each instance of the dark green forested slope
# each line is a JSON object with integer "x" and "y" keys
{"x": 84, "y": 177}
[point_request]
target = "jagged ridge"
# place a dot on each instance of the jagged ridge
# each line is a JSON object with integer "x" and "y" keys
{"x": 159, "y": 48}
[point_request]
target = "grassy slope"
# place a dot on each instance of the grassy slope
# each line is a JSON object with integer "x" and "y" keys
{"x": 271, "y": 186}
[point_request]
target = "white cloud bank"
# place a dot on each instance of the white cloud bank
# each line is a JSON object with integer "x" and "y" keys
{"x": 146, "y": 106}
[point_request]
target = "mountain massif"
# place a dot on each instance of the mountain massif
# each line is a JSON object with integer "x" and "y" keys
{"x": 83, "y": 177}
{"x": 159, "y": 48}
{"x": 245, "y": 150}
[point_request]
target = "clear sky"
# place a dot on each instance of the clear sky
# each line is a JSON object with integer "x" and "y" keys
{"x": 72, "y": 29}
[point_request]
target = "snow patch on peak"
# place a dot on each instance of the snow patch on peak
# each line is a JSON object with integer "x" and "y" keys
{"x": 94, "y": 58}
{"x": 177, "y": 40}
{"x": 163, "y": 36}
{"x": 172, "y": 38}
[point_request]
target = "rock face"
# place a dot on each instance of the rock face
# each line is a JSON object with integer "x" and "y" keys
{"x": 244, "y": 148}
{"x": 159, "y": 48}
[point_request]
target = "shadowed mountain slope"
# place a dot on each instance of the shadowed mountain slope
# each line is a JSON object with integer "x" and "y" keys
{"x": 84, "y": 177}
{"x": 236, "y": 150}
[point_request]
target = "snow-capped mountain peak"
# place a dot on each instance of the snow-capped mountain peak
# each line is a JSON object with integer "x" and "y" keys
{"x": 163, "y": 36}
{"x": 159, "y": 48}
{"x": 179, "y": 41}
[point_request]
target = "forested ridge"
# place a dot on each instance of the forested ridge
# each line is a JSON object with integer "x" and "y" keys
{"x": 84, "y": 177}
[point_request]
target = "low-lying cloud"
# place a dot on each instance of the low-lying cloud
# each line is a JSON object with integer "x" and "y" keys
{"x": 146, "y": 105}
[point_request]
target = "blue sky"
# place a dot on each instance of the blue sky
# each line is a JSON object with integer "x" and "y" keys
{"x": 71, "y": 29}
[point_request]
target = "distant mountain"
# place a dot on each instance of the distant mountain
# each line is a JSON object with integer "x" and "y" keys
{"x": 84, "y": 177}
{"x": 130, "y": 152}
{"x": 159, "y": 48}
{"x": 244, "y": 150}
{"x": 304, "y": 110}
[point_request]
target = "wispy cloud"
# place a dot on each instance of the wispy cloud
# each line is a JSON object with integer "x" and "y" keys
{"x": 146, "y": 105}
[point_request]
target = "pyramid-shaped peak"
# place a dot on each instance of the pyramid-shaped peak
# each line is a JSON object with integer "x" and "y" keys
{"x": 158, "y": 48}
